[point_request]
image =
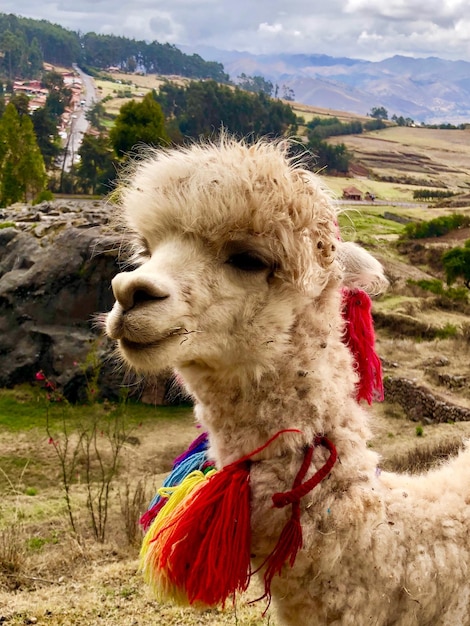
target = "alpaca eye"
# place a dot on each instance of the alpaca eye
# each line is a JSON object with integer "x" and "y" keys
{"x": 247, "y": 262}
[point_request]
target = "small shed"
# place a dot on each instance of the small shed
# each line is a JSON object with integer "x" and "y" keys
{"x": 352, "y": 193}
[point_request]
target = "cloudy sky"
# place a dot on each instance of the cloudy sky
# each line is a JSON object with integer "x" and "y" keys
{"x": 367, "y": 29}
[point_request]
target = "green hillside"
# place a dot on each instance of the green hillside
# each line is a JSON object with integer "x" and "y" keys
{"x": 26, "y": 43}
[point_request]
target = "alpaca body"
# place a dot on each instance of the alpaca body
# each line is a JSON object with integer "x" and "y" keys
{"x": 238, "y": 288}
{"x": 379, "y": 548}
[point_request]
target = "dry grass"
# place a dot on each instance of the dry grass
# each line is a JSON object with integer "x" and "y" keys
{"x": 105, "y": 590}
{"x": 308, "y": 112}
{"x": 421, "y": 458}
{"x": 404, "y": 450}
{"x": 438, "y": 156}
{"x": 137, "y": 87}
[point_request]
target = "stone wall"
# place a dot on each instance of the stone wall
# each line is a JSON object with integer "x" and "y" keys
{"x": 420, "y": 404}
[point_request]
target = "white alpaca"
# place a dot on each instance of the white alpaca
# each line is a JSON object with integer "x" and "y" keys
{"x": 239, "y": 290}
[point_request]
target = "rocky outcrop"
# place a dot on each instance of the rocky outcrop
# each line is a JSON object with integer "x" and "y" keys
{"x": 56, "y": 263}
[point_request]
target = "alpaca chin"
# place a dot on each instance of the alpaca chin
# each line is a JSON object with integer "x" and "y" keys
{"x": 145, "y": 359}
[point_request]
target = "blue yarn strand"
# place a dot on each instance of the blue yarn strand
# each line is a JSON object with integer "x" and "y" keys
{"x": 193, "y": 462}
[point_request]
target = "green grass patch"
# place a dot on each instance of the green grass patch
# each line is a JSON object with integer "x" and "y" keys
{"x": 20, "y": 415}
{"x": 26, "y": 408}
{"x": 366, "y": 225}
{"x": 447, "y": 332}
{"x": 436, "y": 227}
{"x": 389, "y": 303}
{"x": 27, "y": 474}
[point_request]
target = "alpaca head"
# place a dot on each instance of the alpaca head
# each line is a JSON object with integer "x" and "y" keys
{"x": 231, "y": 242}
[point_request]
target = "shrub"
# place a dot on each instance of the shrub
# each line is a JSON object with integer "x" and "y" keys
{"x": 436, "y": 227}
{"x": 435, "y": 286}
{"x": 426, "y": 194}
{"x": 457, "y": 264}
{"x": 43, "y": 196}
{"x": 449, "y": 330}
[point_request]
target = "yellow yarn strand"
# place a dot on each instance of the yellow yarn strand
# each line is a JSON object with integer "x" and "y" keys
{"x": 150, "y": 551}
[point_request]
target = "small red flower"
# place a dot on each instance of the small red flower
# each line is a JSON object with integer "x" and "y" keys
{"x": 40, "y": 375}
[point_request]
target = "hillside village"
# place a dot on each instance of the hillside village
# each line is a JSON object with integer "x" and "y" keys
{"x": 37, "y": 94}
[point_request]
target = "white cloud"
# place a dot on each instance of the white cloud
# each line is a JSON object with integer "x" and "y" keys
{"x": 270, "y": 28}
{"x": 356, "y": 28}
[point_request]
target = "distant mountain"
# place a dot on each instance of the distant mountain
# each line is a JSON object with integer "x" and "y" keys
{"x": 429, "y": 90}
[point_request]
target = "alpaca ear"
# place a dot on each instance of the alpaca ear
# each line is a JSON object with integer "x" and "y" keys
{"x": 360, "y": 269}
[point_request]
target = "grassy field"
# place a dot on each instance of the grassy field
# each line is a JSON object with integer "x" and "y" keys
{"x": 123, "y": 87}
{"x": 435, "y": 157}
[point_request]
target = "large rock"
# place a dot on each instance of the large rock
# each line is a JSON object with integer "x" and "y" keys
{"x": 56, "y": 264}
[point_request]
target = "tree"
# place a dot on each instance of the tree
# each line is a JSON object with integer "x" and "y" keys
{"x": 12, "y": 47}
{"x": 333, "y": 158}
{"x": 35, "y": 58}
{"x": 402, "y": 121}
{"x": 47, "y": 136}
{"x": 380, "y": 113}
{"x": 2, "y": 99}
{"x": 31, "y": 167}
{"x": 255, "y": 84}
{"x": 59, "y": 96}
{"x": 22, "y": 170}
{"x": 288, "y": 93}
{"x": 138, "y": 122}
{"x": 457, "y": 264}
{"x": 96, "y": 170}
{"x": 95, "y": 114}
{"x": 131, "y": 64}
{"x": 21, "y": 103}
{"x": 200, "y": 108}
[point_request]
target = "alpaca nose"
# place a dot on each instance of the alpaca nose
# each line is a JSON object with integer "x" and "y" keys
{"x": 130, "y": 290}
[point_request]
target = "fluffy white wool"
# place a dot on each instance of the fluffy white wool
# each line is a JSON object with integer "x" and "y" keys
{"x": 260, "y": 349}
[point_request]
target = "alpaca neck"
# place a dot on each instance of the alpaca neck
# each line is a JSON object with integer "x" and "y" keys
{"x": 311, "y": 389}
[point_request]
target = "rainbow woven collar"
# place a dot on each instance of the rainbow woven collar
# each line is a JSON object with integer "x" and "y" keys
{"x": 199, "y": 522}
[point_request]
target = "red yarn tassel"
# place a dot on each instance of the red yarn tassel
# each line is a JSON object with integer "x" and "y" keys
{"x": 206, "y": 547}
{"x": 289, "y": 543}
{"x": 360, "y": 338}
{"x": 290, "y": 540}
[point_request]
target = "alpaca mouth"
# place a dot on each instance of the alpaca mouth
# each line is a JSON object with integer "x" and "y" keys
{"x": 140, "y": 346}
{"x": 127, "y": 344}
